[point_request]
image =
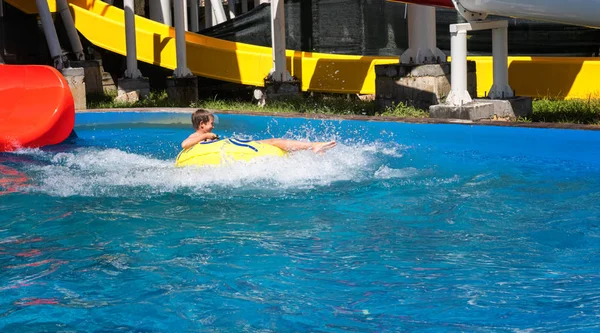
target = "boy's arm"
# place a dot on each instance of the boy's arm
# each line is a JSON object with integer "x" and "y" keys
{"x": 194, "y": 138}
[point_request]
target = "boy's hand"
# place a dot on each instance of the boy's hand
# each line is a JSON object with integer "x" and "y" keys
{"x": 210, "y": 136}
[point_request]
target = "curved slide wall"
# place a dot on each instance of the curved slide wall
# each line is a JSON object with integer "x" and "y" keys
{"x": 104, "y": 26}
{"x": 573, "y": 12}
{"x": 36, "y": 107}
{"x": 554, "y": 77}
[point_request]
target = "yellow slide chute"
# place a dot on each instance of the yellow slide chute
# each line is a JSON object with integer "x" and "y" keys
{"x": 104, "y": 26}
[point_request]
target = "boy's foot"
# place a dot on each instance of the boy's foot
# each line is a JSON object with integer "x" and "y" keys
{"x": 320, "y": 147}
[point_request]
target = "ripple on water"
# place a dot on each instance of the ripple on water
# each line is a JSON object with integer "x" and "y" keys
{"x": 367, "y": 237}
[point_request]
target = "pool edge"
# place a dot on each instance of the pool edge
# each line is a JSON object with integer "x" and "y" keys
{"x": 361, "y": 118}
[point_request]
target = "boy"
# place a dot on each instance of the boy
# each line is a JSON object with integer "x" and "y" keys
{"x": 203, "y": 123}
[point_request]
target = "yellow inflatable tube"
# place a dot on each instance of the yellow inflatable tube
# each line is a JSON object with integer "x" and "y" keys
{"x": 225, "y": 151}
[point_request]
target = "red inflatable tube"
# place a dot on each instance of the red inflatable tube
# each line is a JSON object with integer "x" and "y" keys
{"x": 36, "y": 107}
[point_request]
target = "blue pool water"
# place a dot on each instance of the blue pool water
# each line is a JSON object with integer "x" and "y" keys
{"x": 401, "y": 227}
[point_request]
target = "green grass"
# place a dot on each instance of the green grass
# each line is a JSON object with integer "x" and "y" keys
{"x": 574, "y": 111}
{"x": 308, "y": 105}
{"x": 544, "y": 110}
{"x": 316, "y": 104}
{"x": 405, "y": 111}
{"x": 332, "y": 105}
{"x": 106, "y": 101}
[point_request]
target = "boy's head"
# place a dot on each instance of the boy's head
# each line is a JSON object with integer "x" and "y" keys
{"x": 200, "y": 117}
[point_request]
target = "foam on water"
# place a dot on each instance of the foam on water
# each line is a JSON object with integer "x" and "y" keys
{"x": 114, "y": 172}
{"x": 385, "y": 172}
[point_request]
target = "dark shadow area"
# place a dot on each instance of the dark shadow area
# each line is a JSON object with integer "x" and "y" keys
{"x": 2, "y": 35}
{"x": 525, "y": 37}
{"x": 159, "y": 46}
{"x": 338, "y": 27}
{"x": 217, "y": 89}
{"x": 378, "y": 27}
{"x": 254, "y": 27}
{"x": 347, "y": 71}
{"x": 24, "y": 39}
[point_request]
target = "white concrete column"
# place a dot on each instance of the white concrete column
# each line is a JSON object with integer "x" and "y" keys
{"x": 180, "y": 47}
{"x": 50, "y": 33}
{"x": 244, "y": 6}
{"x": 279, "y": 72}
{"x": 231, "y": 4}
{"x": 218, "y": 11}
{"x": 422, "y": 44}
{"x": 185, "y": 15}
{"x": 500, "y": 89}
{"x": 458, "y": 43}
{"x": 459, "y": 94}
{"x": 65, "y": 13}
{"x": 194, "y": 15}
{"x": 132, "y": 71}
{"x": 208, "y": 14}
{"x": 160, "y": 11}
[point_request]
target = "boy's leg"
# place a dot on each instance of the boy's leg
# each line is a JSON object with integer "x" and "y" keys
{"x": 293, "y": 145}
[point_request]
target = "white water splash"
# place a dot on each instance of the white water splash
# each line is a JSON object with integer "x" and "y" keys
{"x": 113, "y": 172}
{"x": 385, "y": 172}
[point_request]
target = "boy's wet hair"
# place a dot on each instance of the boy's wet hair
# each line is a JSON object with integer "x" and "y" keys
{"x": 201, "y": 116}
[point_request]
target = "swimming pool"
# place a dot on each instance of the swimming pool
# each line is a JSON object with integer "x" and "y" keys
{"x": 401, "y": 227}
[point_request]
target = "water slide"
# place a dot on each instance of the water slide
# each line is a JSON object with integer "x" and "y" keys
{"x": 36, "y": 107}
{"x": 104, "y": 26}
{"x": 554, "y": 77}
{"x": 558, "y": 77}
{"x": 574, "y": 12}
